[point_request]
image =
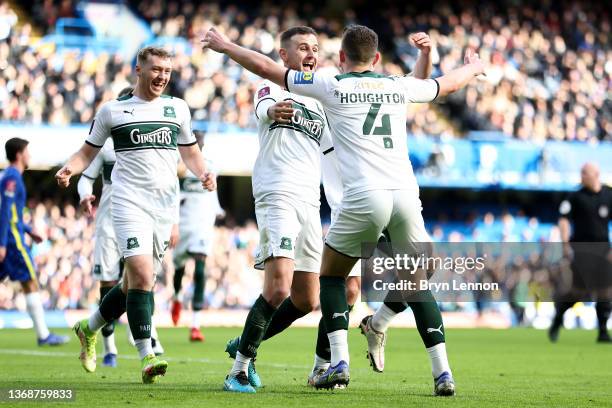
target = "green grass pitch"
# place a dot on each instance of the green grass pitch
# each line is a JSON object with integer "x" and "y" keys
{"x": 517, "y": 368}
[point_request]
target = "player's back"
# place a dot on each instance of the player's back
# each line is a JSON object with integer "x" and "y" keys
{"x": 367, "y": 118}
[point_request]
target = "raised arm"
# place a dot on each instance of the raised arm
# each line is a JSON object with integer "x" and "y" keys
{"x": 459, "y": 78}
{"x": 422, "y": 68}
{"x": 253, "y": 61}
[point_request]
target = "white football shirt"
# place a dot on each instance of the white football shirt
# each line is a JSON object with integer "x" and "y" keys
{"x": 145, "y": 135}
{"x": 288, "y": 161}
{"x": 366, "y": 113}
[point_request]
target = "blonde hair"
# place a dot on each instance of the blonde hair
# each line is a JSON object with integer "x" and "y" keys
{"x": 143, "y": 54}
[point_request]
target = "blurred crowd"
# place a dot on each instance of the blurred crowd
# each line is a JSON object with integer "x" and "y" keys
{"x": 549, "y": 73}
{"x": 64, "y": 261}
{"x": 550, "y": 65}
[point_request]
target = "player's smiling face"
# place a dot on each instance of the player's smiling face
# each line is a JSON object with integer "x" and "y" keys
{"x": 155, "y": 75}
{"x": 302, "y": 53}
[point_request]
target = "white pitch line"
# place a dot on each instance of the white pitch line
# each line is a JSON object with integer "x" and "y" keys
{"x": 25, "y": 352}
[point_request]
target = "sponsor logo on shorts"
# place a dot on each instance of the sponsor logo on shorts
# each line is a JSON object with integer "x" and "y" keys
{"x": 132, "y": 243}
{"x": 97, "y": 270}
{"x": 286, "y": 243}
{"x": 169, "y": 112}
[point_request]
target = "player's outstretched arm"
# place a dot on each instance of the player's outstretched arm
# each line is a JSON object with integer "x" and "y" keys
{"x": 459, "y": 78}
{"x": 253, "y": 61}
{"x": 76, "y": 164}
{"x": 422, "y": 68}
{"x": 192, "y": 157}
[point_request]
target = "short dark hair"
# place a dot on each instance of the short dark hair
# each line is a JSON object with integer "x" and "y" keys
{"x": 14, "y": 146}
{"x": 298, "y": 30}
{"x": 143, "y": 54}
{"x": 359, "y": 43}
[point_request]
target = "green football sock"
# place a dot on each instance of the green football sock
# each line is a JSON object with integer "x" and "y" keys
{"x": 139, "y": 313}
{"x": 113, "y": 304}
{"x": 322, "y": 350}
{"x": 198, "y": 285}
{"x": 428, "y": 318}
{"x": 178, "y": 280}
{"x": 286, "y": 314}
{"x": 109, "y": 327}
{"x": 397, "y": 307}
{"x": 255, "y": 326}
{"x": 152, "y": 302}
{"x": 333, "y": 303}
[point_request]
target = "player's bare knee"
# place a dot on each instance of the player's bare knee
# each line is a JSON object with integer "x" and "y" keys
{"x": 304, "y": 302}
{"x": 276, "y": 295}
{"x": 353, "y": 287}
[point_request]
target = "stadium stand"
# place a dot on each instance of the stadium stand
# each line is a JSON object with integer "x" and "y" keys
{"x": 546, "y": 81}
{"x": 549, "y": 80}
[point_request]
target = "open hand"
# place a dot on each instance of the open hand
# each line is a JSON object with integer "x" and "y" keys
{"x": 87, "y": 205}
{"x": 472, "y": 58}
{"x": 281, "y": 112}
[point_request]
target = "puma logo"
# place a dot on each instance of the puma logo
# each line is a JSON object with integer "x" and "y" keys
{"x": 343, "y": 314}
{"x": 431, "y": 330}
{"x": 130, "y": 112}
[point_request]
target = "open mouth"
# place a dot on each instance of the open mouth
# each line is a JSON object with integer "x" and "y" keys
{"x": 158, "y": 85}
{"x": 308, "y": 66}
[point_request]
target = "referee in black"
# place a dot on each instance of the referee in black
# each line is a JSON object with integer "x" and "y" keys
{"x": 588, "y": 210}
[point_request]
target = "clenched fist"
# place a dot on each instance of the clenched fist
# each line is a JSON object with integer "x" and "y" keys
{"x": 422, "y": 41}
{"x": 209, "y": 181}
{"x": 214, "y": 40}
{"x": 63, "y": 176}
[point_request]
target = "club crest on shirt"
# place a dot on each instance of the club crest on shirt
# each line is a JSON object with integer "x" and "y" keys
{"x": 169, "y": 112}
{"x": 263, "y": 92}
